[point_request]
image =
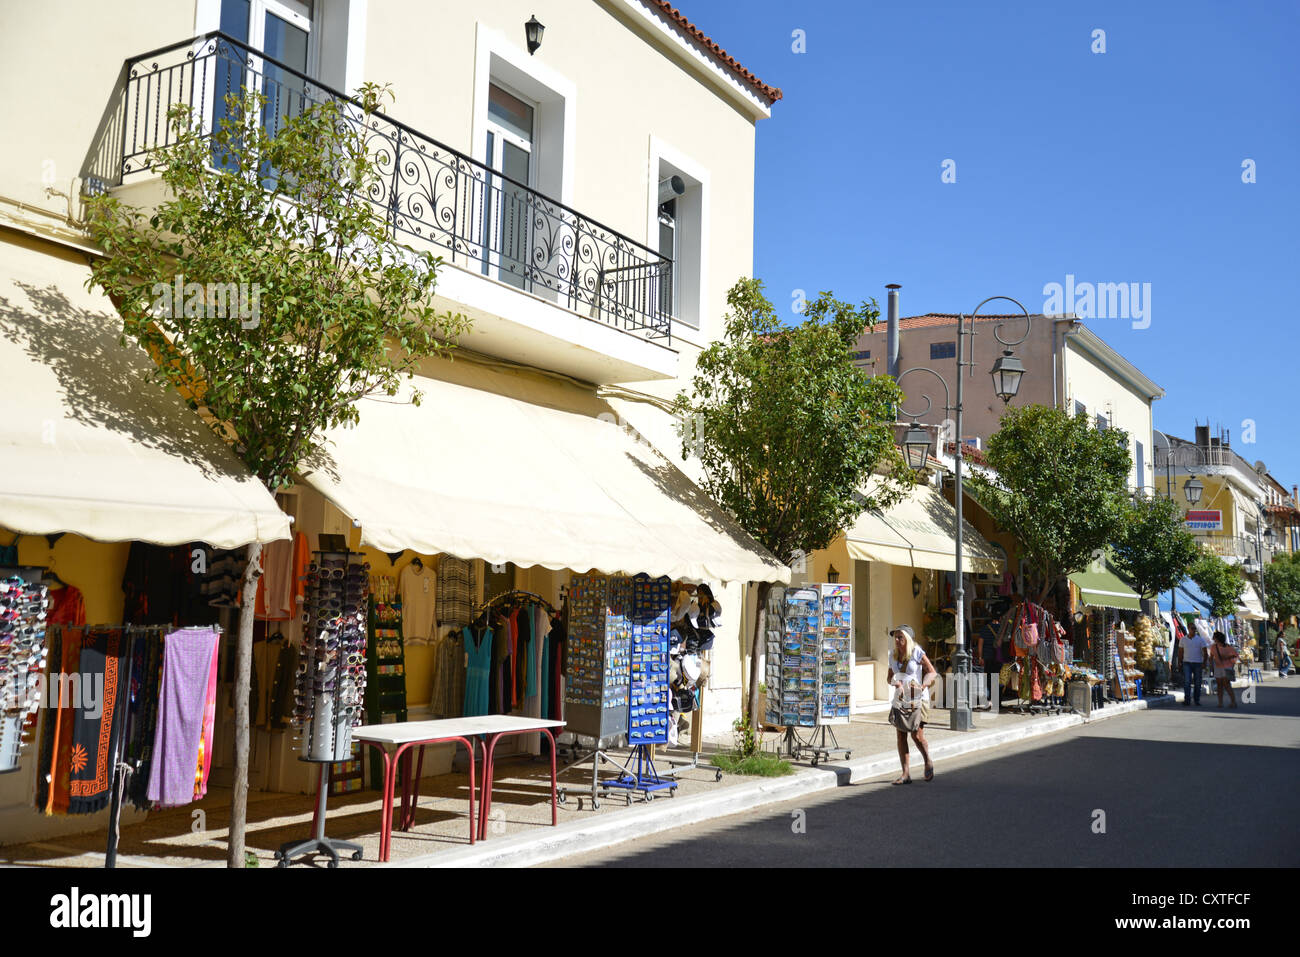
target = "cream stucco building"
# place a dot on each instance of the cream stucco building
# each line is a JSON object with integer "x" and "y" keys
{"x": 592, "y": 200}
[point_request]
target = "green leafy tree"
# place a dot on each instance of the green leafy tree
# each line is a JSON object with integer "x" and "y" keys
{"x": 1060, "y": 488}
{"x": 271, "y": 294}
{"x": 1220, "y": 582}
{"x": 1155, "y": 551}
{"x": 1282, "y": 584}
{"x": 788, "y": 430}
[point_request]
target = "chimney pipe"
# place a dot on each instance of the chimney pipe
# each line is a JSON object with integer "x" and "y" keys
{"x": 891, "y": 329}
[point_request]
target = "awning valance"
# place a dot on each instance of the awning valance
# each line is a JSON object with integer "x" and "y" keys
{"x": 88, "y": 444}
{"x": 1102, "y": 588}
{"x": 509, "y": 466}
{"x": 921, "y": 532}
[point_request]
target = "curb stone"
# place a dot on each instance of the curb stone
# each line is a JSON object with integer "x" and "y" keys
{"x": 546, "y": 844}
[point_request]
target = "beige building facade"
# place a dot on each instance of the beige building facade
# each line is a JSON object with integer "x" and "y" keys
{"x": 592, "y": 200}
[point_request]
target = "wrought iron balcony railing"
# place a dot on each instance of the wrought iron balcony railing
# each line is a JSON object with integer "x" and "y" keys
{"x": 473, "y": 215}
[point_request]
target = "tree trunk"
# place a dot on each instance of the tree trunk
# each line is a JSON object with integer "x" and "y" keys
{"x": 760, "y": 620}
{"x": 243, "y": 685}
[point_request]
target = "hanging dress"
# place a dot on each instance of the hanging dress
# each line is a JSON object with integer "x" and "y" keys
{"x": 478, "y": 668}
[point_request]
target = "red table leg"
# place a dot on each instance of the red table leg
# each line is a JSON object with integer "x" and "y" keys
{"x": 489, "y": 772}
{"x": 554, "y": 806}
{"x": 408, "y": 821}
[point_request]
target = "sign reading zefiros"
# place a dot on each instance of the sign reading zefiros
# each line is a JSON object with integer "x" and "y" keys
{"x": 1205, "y": 520}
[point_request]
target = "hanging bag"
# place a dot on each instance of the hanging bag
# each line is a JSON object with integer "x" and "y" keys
{"x": 1030, "y": 626}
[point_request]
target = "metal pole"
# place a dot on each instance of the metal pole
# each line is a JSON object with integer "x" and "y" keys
{"x": 961, "y": 718}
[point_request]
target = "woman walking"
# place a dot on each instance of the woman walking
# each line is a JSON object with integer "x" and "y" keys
{"x": 1224, "y": 659}
{"x": 910, "y": 674}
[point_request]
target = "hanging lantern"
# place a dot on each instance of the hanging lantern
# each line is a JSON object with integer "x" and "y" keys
{"x": 1006, "y": 373}
{"x": 916, "y": 446}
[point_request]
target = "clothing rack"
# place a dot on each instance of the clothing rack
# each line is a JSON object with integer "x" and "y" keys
{"x": 516, "y": 594}
{"x": 122, "y": 770}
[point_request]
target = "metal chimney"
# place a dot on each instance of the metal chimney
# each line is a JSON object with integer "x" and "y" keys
{"x": 891, "y": 329}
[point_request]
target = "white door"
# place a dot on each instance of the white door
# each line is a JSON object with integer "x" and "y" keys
{"x": 508, "y": 205}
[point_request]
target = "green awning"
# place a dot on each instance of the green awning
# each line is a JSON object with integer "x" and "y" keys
{"x": 1101, "y": 587}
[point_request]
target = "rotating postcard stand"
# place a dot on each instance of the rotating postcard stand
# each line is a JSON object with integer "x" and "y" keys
{"x": 809, "y": 641}
{"x": 331, "y": 685}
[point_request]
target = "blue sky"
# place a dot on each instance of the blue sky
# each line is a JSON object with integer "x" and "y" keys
{"x": 1122, "y": 166}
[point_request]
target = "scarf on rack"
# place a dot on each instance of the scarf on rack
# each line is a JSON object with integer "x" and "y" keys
{"x": 182, "y": 710}
{"x": 56, "y": 794}
{"x": 146, "y": 683}
{"x": 94, "y": 736}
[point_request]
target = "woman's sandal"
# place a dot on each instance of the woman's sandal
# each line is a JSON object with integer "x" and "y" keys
{"x": 902, "y": 780}
{"x": 929, "y": 773}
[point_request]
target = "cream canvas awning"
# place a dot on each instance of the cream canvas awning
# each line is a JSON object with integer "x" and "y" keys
{"x": 511, "y": 466}
{"x": 88, "y": 444}
{"x": 1251, "y": 608}
{"x": 921, "y": 531}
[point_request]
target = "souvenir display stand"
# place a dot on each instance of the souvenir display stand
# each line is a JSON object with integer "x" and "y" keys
{"x": 385, "y": 664}
{"x": 331, "y": 683}
{"x": 647, "y": 619}
{"x": 617, "y": 651}
{"x": 809, "y": 641}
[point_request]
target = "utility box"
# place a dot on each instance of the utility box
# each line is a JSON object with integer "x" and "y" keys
{"x": 1079, "y": 696}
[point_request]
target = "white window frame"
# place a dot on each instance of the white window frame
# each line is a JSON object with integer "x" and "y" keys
{"x": 689, "y": 310}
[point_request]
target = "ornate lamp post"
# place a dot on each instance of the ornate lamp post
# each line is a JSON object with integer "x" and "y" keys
{"x": 1007, "y": 372}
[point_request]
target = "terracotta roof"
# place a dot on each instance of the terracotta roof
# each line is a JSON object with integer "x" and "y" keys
{"x": 948, "y": 318}
{"x": 967, "y": 452}
{"x": 769, "y": 93}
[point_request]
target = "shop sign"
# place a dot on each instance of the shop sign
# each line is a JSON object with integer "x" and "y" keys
{"x": 1206, "y": 519}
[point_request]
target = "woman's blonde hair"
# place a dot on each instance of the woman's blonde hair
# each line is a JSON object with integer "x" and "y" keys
{"x": 908, "y": 651}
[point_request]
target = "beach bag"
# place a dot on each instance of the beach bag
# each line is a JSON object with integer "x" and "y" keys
{"x": 1030, "y": 626}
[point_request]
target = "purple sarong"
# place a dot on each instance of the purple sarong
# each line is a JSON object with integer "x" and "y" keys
{"x": 187, "y": 664}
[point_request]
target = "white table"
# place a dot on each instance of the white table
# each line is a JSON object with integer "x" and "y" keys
{"x": 395, "y": 742}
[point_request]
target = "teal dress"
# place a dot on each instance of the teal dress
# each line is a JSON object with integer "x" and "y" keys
{"x": 477, "y": 671}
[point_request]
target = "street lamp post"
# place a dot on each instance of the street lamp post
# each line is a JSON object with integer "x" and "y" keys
{"x": 1007, "y": 372}
{"x": 1192, "y": 490}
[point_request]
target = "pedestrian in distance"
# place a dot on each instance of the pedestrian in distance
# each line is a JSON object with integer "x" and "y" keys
{"x": 1284, "y": 663}
{"x": 1224, "y": 659}
{"x": 1192, "y": 650}
{"x": 911, "y": 675}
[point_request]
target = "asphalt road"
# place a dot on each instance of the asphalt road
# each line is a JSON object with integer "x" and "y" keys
{"x": 1162, "y": 778}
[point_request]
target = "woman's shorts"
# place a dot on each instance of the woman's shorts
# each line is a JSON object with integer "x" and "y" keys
{"x": 1224, "y": 673}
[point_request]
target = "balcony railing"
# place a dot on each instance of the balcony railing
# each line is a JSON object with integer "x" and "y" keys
{"x": 473, "y": 215}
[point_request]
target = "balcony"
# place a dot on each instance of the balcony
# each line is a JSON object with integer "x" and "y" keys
{"x": 544, "y": 283}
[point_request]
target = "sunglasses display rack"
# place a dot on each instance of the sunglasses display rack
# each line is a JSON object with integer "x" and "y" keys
{"x": 809, "y": 640}
{"x": 330, "y": 681}
{"x": 649, "y": 621}
{"x": 24, "y": 603}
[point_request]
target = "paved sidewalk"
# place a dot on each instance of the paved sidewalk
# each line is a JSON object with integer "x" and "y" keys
{"x": 520, "y": 829}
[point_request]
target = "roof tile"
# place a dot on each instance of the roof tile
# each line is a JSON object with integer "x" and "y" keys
{"x": 769, "y": 93}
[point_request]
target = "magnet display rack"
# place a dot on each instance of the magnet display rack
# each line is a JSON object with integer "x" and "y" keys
{"x": 385, "y": 671}
{"x": 598, "y": 669}
{"x": 329, "y": 694}
{"x": 648, "y": 621}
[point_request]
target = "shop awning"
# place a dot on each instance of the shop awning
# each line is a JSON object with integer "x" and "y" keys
{"x": 511, "y": 466}
{"x": 1251, "y": 608}
{"x": 88, "y": 445}
{"x": 921, "y": 532}
{"x": 1190, "y": 598}
{"x": 1102, "y": 588}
